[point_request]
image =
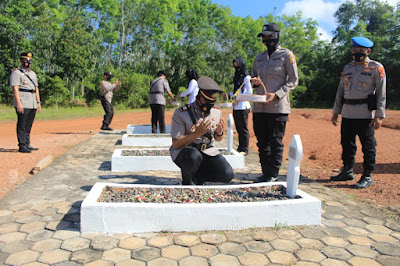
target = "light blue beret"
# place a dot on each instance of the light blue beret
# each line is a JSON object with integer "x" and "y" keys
{"x": 361, "y": 42}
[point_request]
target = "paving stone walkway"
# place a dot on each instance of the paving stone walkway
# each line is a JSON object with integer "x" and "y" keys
{"x": 39, "y": 224}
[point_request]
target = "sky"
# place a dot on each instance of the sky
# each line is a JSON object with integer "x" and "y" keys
{"x": 320, "y": 10}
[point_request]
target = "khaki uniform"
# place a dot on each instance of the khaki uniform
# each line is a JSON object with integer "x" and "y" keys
{"x": 279, "y": 75}
{"x": 106, "y": 90}
{"x": 357, "y": 82}
{"x": 182, "y": 125}
{"x": 18, "y": 78}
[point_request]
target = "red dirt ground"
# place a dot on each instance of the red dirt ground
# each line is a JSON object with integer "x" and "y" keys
{"x": 321, "y": 145}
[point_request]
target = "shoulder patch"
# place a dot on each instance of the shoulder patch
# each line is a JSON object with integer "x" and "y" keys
{"x": 185, "y": 107}
{"x": 381, "y": 72}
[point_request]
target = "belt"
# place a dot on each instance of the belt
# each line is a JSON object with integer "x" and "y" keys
{"x": 355, "y": 101}
{"x": 26, "y": 90}
{"x": 157, "y": 92}
{"x": 201, "y": 146}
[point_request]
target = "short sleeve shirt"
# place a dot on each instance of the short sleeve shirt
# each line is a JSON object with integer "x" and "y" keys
{"x": 20, "y": 78}
{"x": 157, "y": 89}
{"x": 107, "y": 90}
{"x": 182, "y": 125}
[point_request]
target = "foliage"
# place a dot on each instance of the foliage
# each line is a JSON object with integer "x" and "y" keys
{"x": 74, "y": 42}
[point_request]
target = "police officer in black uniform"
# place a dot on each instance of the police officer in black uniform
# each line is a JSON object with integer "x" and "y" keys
{"x": 362, "y": 89}
{"x": 193, "y": 130}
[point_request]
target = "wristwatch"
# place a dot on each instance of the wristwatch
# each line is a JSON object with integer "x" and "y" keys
{"x": 39, "y": 102}
{"x": 218, "y": 134}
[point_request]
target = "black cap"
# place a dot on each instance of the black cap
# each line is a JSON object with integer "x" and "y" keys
{"x": 28, "y": 55}
{"x": 209, "y": 89}
{"x": 269, "y": 29}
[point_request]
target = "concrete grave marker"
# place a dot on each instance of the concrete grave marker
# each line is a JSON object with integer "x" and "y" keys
{"x": 229, "y": 132}
{"x": 144, "y": 129}
{"x": 293, "y": 172}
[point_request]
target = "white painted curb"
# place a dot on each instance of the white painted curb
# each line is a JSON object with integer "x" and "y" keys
{"x": 147, "y": 140}
{"x": 121, "y": 163}
{"x": 100, "y": 217}
{"x": 144, "y": 129}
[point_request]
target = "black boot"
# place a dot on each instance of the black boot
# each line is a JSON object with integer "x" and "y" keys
{"x": 364, "y": 182}
{"x": 24, "y": 149}
{"x": 265, "y": 178}
{"x": 32, "y": 148}
{"x": 346, "y": 174}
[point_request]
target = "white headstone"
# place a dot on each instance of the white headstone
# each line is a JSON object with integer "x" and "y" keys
{"x": 293, "y": 172}
{"x": 229, "y": 132}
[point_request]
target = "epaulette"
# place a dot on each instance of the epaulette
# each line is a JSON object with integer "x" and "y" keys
{"x": 185, "y": 107}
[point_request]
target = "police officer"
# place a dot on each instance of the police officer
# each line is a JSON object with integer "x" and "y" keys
{"x": 362, "y": 89}
{"x": 277, "y": 69}
{"x": 106, "y": 95}
{"x": 26, "y": 100}
{"x": 193, "y": 130}
{"x": 157, "y": 101}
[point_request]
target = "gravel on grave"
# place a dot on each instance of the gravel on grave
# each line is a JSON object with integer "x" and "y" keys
{"x": 160, "y": 152}
{"x": 193, "y": 195}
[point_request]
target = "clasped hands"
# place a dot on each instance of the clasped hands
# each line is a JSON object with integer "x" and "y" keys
{"x": 202, "y": 127}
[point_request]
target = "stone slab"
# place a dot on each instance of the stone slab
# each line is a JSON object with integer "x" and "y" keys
{"x": 101, "y": 217}
{"x": 144, "y": 129}
{"x": 147, "y": 140}
{"x": 121, "y": 163}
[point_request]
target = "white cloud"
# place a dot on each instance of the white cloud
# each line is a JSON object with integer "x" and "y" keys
{"x": 324, "y": 35}
{"x": 319, "y": 10}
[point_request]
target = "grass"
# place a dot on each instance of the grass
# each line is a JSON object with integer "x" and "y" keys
{"x": 7, "y": 113}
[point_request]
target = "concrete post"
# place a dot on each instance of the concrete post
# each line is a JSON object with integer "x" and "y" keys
{"x": 293, "y": 172}
{"x": 229, "y": 132}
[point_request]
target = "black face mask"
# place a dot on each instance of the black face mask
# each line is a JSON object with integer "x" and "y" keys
{"x": 271, "y": 43}
{"x": 359, "y": 57}
{"x": 205, "y": 107}
{"x": 26, "y": 63}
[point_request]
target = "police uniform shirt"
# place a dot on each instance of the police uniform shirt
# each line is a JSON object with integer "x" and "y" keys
{"x": 357, "y": 82}
{"x": 18, "y": 78}
{"x": 158, "y": 87}
{"x": 182, "y": 125}
{"x": 279, "y": 75}
{"x": 107, "y": 90}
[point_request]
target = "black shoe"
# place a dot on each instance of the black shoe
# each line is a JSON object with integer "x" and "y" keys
{"x": 364, "y": 182}
{"x": 244, "y": 153}
{"x": 264, "y": 178}
{"x": 24, "y": 149}
{"x": 106, "y": 128}
{"x": 32, "y": 148}
{"x": 343, "y": 176}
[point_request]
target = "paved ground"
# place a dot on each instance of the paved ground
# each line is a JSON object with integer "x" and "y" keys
{"x": 39, "y": 224}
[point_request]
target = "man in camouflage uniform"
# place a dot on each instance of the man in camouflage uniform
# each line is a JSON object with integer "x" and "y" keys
{"x": 193, "y": 130}
{"x": 277, "y": 69}
{"x": 362, "y": 89}
{"x": 106, "y": 95}
{"x": 26, "y": 100}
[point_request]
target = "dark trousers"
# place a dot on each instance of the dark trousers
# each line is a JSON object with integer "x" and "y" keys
{"x": 241, "y": 120}
{"x": 109, "y": 109}
{"x": 24, "y": 126}
{"x": 365, "y": 131}
{"x": 197, "y": 167}
{"x": 269, "y": 130}
{"x": 157, "y": 117}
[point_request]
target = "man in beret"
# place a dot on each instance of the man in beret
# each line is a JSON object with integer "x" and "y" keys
{"x": 276, "y": 68}
{"x": 106, "y": 94}
{"x": 361, "y": 101}
{"x": 157, "y": 101}
{"x": 194, "y": 128}
{"x": 26, "y": 100}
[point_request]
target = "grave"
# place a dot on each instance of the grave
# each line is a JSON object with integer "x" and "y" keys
{"x": 120, "y": 217}
{"x": 137, "y": 217}
{"x": 120, "y": 163}
{"x": 144, "y": 129}
{"x": 147, "y": 140}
